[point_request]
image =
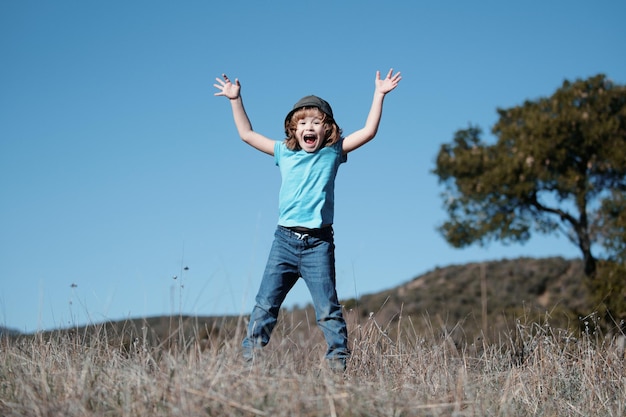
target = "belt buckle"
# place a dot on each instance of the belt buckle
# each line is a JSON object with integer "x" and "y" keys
{"x": 300, "y": 236}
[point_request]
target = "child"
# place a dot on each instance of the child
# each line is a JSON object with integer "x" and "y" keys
{"x": 303, "y": 242}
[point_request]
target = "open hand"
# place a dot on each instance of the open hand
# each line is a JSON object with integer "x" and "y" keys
{"x": 388, "y": 83}
{"x": 227, "y": 88}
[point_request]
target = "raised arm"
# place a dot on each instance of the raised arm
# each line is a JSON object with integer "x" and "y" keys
{"x": 242, "y": 122}
{"x": 367, "y": 133}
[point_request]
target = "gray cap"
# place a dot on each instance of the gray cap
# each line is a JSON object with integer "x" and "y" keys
{"x": 311, "y": 101}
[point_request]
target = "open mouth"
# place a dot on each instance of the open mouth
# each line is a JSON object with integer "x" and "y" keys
{"x": 309, "y": 139}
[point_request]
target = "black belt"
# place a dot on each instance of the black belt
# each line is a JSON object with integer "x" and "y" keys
{"x": 303, "y": 232}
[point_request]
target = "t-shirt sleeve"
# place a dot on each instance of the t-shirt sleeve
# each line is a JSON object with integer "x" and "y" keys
{"x": 277, "y": 149}
{"x": 343, "y": 156}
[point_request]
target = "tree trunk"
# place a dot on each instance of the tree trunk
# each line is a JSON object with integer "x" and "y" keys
{"x": 582, "y": 229}
{"x": 584, "y": 243}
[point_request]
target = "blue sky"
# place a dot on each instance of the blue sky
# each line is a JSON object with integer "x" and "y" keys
{"x": 118, "y": 166}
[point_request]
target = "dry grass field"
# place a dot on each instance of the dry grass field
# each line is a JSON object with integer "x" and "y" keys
{"x": 532, "y": 370}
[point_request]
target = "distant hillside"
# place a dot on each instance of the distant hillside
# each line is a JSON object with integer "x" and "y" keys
{"x": 461, "y": 300}
{"x": 455, "y": 296}
{"x": 5, "y": 331}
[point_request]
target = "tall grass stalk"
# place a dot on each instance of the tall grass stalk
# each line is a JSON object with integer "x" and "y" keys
{"x": 533, "y": 371}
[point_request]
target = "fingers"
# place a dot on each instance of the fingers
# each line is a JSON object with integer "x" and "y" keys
{"x": 389, "y": 83}
{"x": 222, "y": 82}
{"x": 226, "y": 80}
{"x": 394, "y": 77}
{"x": 226, "y": 87}
{"x": 390, "y": 75}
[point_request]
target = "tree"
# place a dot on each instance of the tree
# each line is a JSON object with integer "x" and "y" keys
{"x": 558, "y": 165}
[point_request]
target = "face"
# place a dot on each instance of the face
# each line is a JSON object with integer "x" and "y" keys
{"x": 311, "y": 133}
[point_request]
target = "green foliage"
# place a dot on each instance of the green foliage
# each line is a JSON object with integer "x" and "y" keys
{"x": 608, "y": 293}
{"x": 611, "y": 226}
{"x": 557, "y": 166}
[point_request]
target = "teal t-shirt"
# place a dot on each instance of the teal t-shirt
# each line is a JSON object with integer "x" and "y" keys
{"x": 307, "y": 192}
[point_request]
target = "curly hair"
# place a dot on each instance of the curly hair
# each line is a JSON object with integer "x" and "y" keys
{"x": 333, "y": 131}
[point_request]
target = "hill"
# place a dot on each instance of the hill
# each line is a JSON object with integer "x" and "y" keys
{"x": 487, "y": 297}
{"x": 465, "y": 301}
{"x": 5, "y": 331}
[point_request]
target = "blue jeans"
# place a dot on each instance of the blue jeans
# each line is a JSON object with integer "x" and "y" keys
{"x": 294, "y": 255}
